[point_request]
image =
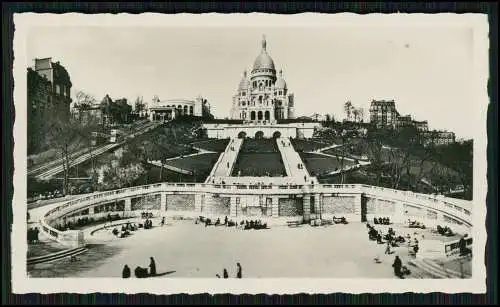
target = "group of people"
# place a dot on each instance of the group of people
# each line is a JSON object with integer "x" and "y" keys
{"x": 244, "y": 224}
{"x": 247, "y": 225}
{"x": 445, "y": 231}
{"x": 225, "y": 274}
{"x": 148, "y": 224}
{"x": 339, "y": 220}
{"x": 33, "y": 235}
{"x": 300, "y": 166}
{"x": 139, "y": 271}
{"x": 415, "y": 224}
{"x": 400, "y": 270}
{"x": 125, "y": 230}
{"x": 382, "y": 221}
{"x": 146, "y": 215}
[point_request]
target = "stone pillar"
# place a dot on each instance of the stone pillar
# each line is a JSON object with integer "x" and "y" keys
{"x": 198, "y": 198}
{"x": 357, "y": 206}
{"x": 318, "y": 204}
{"x": 128, "y": 204}
{"x": 306, "y": 203}
{"x": 163, "y": 204}
{"x": 151, "y": 115}
{"x": 275, "y": 210}
{"x": 233, "y": 207}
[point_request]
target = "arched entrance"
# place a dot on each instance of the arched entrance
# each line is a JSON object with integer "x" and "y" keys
{"x": 252, "y": 115}
{"x": 242, "y": 135}
{"x": 259, "y": 115}
{"x": 276, "y": 134}
{"x": 267, "y": 115}
{"x": 259, "y": 135}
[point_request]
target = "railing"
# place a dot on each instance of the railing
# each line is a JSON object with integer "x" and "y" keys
{"x": 455, "y": 208}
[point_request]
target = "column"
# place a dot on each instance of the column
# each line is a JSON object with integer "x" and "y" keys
{"x": 275, "y": 206}
{"x": 357, "y": 206}
{"x": 318, "y": 204}
{"x": 128, "y": 207}
{"x": 163, "y": 204}
{"x": 198, "y": 201}
{"x": 306, "y": 203}
{"x": 233, "y": 206}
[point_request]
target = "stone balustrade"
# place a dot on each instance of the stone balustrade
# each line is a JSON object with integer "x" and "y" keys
{"x": 445, "y": 209}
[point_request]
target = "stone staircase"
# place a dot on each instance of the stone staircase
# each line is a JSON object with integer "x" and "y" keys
{"x": 431, "y": 269}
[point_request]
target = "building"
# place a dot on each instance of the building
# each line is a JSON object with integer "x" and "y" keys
{"x": 161, "y": 110}
{"x": 421, "y": 125}
{"x": 48, "y": 98}
{"x": 383, "y": 113}
{"x": 263, "y": 95}
{"x": 438, "y": 137}
{"x": 404, "y": 121}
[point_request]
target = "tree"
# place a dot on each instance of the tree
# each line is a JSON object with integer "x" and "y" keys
{"x": 348, "y": 109}
{"x": 63, "y": 133}
{"x": 139, "y": 105}
{"x": 355, "y": 114}
{"x": 361, "y": 115}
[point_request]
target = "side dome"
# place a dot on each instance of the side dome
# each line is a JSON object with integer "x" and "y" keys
{"x": 244, "y": 83}
{"x": 281, "y": 83}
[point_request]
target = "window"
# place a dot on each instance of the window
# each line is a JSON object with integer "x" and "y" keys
{"x": 58, "y": 89}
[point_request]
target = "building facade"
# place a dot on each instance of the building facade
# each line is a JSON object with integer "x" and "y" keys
{"x": 383, "y": 113}
{"x": 48, "y": 98}
{"x": 263, "y": 95}
{"x": 164, "y": 110}
{"x": 438, "y": 137}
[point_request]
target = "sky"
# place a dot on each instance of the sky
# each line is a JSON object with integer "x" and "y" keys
{"x": 427, "y": 71}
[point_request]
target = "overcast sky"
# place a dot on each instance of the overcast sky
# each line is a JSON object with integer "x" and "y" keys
{"x": 427, "y": 71}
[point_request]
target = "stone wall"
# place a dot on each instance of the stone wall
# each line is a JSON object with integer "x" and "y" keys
{"x": 216, "y": 206}
{"x": 148, "y": 202}
{"x": 290, "y": 207}
{"x": 180, "y": 203}
{"x": 338, "y": 204}
{"x": 414, "y": 211}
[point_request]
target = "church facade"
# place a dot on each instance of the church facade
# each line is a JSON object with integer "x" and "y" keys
{"x": 263, "y": 95}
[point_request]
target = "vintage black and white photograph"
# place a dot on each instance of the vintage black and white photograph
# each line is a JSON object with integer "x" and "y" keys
{"x": 164, "y": 151}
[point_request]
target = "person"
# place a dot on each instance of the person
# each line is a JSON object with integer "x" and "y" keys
{"x": 225, "y": 220}
{"x": 225, "y": 274}
{"x": 239, "y": 271}
{"x": 126, "y": 272}
{"x": 162, "y": 221}
{"x": 388, "y": 248}
{"x": 152, "y": 267}
{"x": 397, "y": 266}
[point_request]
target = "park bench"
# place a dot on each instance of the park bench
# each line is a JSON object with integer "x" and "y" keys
{"x": 293, "y": 223}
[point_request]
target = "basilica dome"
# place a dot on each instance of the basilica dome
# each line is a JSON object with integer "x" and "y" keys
{"x": 263, "y": 60}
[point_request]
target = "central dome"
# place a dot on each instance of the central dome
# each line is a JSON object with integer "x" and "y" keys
{"x": 263, "y": 61}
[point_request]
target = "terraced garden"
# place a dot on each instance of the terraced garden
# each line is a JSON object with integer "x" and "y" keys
{"x": 217, "y": 145}
{"x": 319, "y": 165}
{"x": 302, "y": 145}
{"x": 259, "y": 157}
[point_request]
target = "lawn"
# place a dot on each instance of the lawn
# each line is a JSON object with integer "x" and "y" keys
{"x": 259, "y": 145}
{"x": 309, "y": 145}
{"x": 217, "y": 145}
{"x": 259, "y": 164}
{"x": 318, "y": 165}
{"x": 199, "y": 164}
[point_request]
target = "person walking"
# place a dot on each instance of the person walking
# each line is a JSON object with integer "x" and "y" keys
{"x": 225, "y": 274}
{"x": 239, "y": 273}
{"x": 388, "y": 248}
{"x": 126, "y": 272}
{"x": 397, "y": 266}
{"x": 152, "y": 267}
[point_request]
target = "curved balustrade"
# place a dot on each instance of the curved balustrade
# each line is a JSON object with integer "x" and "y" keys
{"x": 454, "y": 208}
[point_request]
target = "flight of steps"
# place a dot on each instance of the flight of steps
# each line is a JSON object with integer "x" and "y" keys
{"x": 431, "y": 269}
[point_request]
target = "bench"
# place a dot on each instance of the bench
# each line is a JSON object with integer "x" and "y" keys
{"x": 293, "y": 223}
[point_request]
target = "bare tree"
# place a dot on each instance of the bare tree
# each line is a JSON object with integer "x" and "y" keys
{"x": 348, "y": 109}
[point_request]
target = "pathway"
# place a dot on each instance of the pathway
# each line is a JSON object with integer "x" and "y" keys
{"x": 224, "y": 165}
{"x": 292, "y": 160}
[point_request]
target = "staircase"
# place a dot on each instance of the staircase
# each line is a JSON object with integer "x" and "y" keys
{"x": 434, "y": 270}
